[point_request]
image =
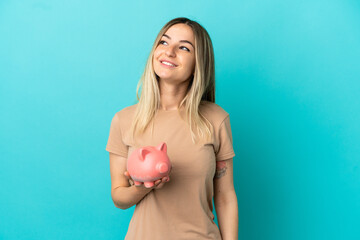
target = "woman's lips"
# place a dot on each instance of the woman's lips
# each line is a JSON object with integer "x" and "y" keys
{"x": 165, "y": 65}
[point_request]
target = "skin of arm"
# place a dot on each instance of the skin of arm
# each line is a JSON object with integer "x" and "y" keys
{"x": 126, "y": 197}
{"x": 225, "y": 200}
{"x": 123, "y": 195}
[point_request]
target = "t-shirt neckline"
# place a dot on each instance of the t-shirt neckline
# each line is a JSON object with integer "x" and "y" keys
{"x": 171, "y": 110}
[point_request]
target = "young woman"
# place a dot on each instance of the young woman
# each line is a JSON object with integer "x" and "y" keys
{"x": 177, "y": 106}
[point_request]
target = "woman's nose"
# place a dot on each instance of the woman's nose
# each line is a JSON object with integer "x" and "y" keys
{"x": 170, "y": 51}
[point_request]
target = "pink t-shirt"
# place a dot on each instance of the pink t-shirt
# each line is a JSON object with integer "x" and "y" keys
{"x": 182, "y": 208}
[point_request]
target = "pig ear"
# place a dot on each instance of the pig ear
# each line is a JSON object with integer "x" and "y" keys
{"x": 162, "y": 147}
{"x": 143, "y": 153}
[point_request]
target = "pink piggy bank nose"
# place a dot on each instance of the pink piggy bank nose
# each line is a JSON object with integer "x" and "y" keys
{"x": 162, "y": 167}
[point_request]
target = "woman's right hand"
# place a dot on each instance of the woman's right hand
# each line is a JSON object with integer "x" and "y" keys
{"x": 157, "y": 184}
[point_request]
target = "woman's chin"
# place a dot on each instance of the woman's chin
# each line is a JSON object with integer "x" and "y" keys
{"x": 166, "y": 77}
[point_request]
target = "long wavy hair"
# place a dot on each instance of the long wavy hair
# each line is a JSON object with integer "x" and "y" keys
{"x": 201, "y": 86}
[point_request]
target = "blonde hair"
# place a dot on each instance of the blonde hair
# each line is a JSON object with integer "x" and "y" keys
{"x": 201, "y": 86}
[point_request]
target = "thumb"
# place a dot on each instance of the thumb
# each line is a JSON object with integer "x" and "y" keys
{"x": 127, "y": 175}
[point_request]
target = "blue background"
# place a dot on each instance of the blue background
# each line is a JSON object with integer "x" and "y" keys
{"x": 287, "y": 72}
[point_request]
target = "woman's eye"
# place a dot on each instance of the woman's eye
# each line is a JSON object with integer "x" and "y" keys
{"x": 185, "y": 48}
{"x": 182, "y": 47}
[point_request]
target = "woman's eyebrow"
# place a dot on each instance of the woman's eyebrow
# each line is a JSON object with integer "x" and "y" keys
{"x": 186, "y": 41}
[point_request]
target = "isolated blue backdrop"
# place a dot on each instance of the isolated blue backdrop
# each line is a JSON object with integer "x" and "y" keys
{"x": 287, "y": 72}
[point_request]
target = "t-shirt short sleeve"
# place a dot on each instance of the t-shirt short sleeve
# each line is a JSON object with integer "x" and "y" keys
{"x": 225, "y": 142}
{"x": 115, "y": 142}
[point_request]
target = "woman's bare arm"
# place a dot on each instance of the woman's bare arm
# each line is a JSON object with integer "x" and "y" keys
{"x": 123, "y": 194}
{"x": 225, "y": 200}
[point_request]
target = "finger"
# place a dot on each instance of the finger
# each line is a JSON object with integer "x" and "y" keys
{"x": 164, "y": 180}
{"x": 131, "y": 182}
{"x": 127, "y": 174}
{"x": 160, "y": 185}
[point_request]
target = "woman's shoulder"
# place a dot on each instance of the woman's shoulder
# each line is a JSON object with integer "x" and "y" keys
{"x": 127, "y": 111}
{"x": 213, "y": 111}
{"x": 212, "y": 107}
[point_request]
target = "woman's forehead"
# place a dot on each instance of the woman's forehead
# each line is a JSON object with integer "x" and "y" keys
{"x": 180, "y": 31}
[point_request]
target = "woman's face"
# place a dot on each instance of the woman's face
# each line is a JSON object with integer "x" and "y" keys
{"x": 174, "y": 57}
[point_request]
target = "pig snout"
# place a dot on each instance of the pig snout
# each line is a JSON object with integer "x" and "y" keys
{"x": 162, "y": 167}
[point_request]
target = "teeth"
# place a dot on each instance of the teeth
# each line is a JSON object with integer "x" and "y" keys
{"x": 168, "y": 64}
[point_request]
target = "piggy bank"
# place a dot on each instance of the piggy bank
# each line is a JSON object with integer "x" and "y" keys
{"x": 148, "y": 164}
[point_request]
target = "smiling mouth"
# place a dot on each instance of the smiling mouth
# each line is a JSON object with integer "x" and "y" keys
{"x": 167, "y": 64}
